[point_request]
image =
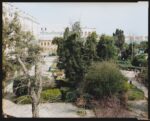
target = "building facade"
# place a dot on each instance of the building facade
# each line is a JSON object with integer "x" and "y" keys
{"x": 28, "y": 22}
{"x": 87, "y": 31}
{"x": 47, "y": 35}
{"x": 136, "y": 39}
{"x": 47, "y": 47}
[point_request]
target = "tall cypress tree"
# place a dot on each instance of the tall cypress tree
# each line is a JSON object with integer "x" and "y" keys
{"x": 90, "y": 48}
{"x": 119, "y": 38}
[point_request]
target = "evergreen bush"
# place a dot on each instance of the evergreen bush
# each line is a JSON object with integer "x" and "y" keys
{"x": 104, "y": 79}
{"x": 51, "y": 95}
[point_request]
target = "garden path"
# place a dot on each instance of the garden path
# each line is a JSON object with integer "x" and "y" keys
{"x": 49, "y": 110}
{"x": 131, "y": 76}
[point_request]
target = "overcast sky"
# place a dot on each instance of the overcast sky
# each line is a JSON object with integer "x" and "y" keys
{"x": 105, "y": 17}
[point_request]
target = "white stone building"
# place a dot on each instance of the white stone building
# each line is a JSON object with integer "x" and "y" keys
{"x": 86, "y": 31}
{"x": 47, "y": 34}
{"x": 137, "y": 39}
{"x": 28, "y": 22}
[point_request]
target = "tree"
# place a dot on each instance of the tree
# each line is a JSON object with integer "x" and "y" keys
{"x": 73, "y": 60}
{"x": 59, "y": 41}
{"x": 132, "y": 50}
{"x": 5, "y": 37}
{"x": 66, "y": 33}
{"x": 76, "y": 28}
{"x": 90, "y": 47}
{"x": 119, "y": 38}
{"x": 104, "y": 79}
{"x": 140, "y": 60}
{"x": 144, "y": 46}
{"x": 24, "y": 55}
{"x": 105, "y": 48}
{"x": 124, "y": 54}
{"x": 71, "y": 55}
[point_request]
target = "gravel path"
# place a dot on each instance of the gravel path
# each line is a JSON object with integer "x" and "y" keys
{"x": 50, "y": 110}
{"x": 140, "y": 108}
{"x": 131, "y": 76}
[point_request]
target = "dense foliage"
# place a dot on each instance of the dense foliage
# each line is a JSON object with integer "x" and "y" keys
{"x": 119, "y": 38}
{"x": 140, "y": 60}
{"x": 90, "y": 48}
{"x": 23, "y": 100}
{"x": 105, "y": 48}
{"x": 51, "y": 95}
{"x": 104, "y": 79}
{"x": 71, "y": 55}
{"x": 71, "y": 96}
{"x": 21, "y": 52}
{"x": 20, "y": 86}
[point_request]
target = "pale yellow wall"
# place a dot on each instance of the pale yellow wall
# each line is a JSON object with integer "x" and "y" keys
{"x": 47, "y": 46}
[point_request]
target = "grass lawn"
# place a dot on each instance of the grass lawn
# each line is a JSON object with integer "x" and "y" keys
{"x": 135, "y": 94}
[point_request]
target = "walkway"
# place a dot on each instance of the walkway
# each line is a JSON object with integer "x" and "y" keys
{"x": 131, "y": 76}
{"x": 140, "y": 108}
{"x": 49, "y": 110}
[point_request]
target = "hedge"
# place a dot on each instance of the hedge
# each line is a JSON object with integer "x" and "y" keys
{"x": 49, "y": 95}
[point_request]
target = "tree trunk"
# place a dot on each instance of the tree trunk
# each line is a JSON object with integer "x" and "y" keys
{"x": 35, "y": 107}
{"x": 36, "y": 92}
{"x": 35, "y": 103}
{"x": 34, "y": 96}
{"x": 35, "y": 110}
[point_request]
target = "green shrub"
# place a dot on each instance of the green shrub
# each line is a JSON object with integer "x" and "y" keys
{"x": 140, "y": 60}
{"x": 51, "y": 95}
{"x": 87, "y": 96}
{"x": 64, "y": 90}
{"x": 71, "y": 96}
{"x": 53, "y": 54}
{"x": 104, "y": 79}
{"x": 126, "y": 86}
{"x": 62, "y": 83}
{"x": 135, "y": 94}
{"x": 20, "y": 86}
{"x": 24, "y": 100}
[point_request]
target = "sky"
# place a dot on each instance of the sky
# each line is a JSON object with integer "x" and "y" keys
{"x": 132, "y": 18}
